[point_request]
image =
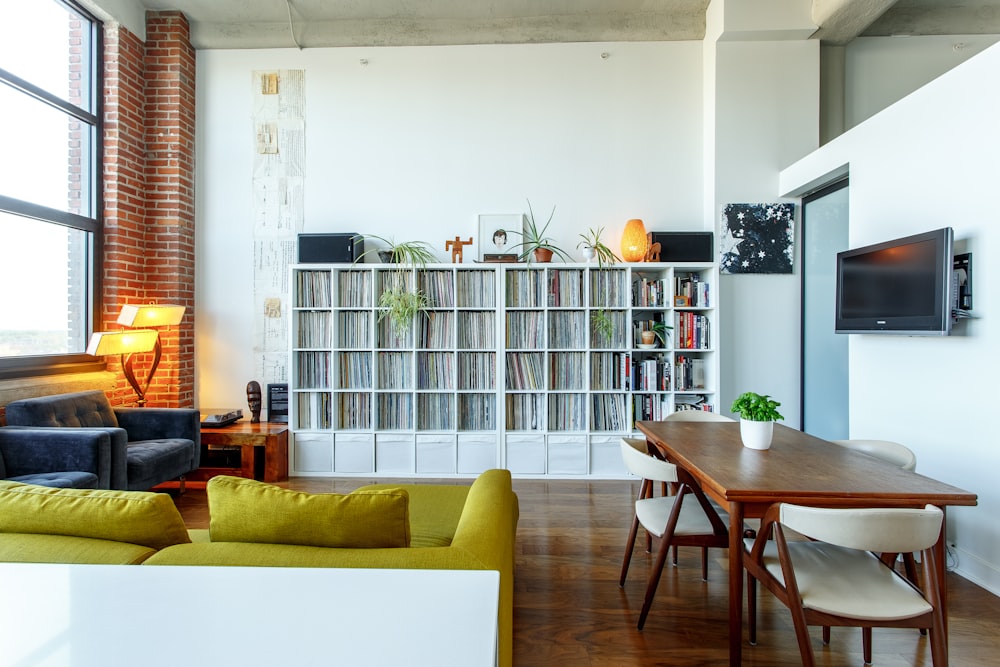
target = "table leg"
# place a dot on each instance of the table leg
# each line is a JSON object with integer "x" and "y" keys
{"x": 735, "y": 583}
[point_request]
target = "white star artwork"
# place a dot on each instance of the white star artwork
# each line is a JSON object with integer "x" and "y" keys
{"x": 757, "y": 238}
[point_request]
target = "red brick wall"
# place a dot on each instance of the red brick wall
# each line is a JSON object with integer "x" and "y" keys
{"x": 149, "y": 194}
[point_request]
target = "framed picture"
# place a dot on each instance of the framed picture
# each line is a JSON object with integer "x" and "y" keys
{"x": 498, "y": 234}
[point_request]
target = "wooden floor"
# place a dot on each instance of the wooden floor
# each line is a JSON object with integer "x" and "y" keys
{"x": 569, "y": 610}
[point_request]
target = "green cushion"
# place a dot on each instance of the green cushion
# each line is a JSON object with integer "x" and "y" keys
{"x": 434, "y": 511}
{"x": 137, "y": 517}
{"x": 34, "y": 548}
{"x": 244, "y": 510}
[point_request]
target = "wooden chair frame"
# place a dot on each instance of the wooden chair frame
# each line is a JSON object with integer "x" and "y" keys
{"x": 788, "y": 594}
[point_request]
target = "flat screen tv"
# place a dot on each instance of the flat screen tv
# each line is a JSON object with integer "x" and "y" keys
{"x": 901, "y": 286}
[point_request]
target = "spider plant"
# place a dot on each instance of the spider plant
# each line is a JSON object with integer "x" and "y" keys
{"x": 398, "y": 302}
{"x": 601, "y": 320}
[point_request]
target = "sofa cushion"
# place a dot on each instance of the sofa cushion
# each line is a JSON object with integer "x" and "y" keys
{"x": 150, "y": 462}
{"x": 146, "y": 519}
{"x": 71, "y": 479}
{"x": 245, "y": 510}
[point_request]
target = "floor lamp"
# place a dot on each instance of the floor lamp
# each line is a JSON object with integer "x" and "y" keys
{"x": 137, "y": 340}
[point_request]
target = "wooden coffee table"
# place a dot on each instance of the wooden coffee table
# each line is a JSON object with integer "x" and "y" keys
{"x": 263, "y": 451}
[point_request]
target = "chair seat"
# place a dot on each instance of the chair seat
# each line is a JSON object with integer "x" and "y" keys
{"x": 846, "y": 582}
{"x": 73, "y": 479}
{"x": 654, "y": 512}
{"x": 149, "y": 462}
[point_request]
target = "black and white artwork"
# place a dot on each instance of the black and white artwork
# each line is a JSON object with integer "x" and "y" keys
{"x": 757, "y": 238}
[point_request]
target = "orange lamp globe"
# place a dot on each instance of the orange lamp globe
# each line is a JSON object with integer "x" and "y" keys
{"x": 634, "y": 241}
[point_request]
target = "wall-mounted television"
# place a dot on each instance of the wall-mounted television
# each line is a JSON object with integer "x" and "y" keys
{"x": 902, "y": 286}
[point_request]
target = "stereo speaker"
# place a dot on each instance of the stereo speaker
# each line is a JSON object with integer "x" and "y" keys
{"x": 330, "y": 248}
{"x": 685, "y": 246}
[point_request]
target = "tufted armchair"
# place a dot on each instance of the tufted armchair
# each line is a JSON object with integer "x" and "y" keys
{"x": 148, "y": 445}
{"x": 70, "y": 458}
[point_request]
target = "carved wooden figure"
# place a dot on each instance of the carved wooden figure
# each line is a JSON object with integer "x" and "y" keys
{"x": 456, "y": 245}
{"x": 254, "y": 401}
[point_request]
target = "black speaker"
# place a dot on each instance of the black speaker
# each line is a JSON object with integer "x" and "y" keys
{"x": 277, "y": 403}
{"x": 685, "y": 246}
{"x": 330, "y": 248}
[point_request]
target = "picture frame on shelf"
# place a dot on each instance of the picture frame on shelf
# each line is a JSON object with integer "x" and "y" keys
{"x": 498, "y": 233}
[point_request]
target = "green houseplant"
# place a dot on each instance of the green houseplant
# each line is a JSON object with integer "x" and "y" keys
{"x": 535, "y": 241}
{"x": 398, "y": 301}
{"x": 602, "y": 323}
{"x": 757, "y": 416}
{"x": 657, "y": 331}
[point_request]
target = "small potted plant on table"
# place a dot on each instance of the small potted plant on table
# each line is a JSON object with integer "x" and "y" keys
{"x": 757, "y": 416}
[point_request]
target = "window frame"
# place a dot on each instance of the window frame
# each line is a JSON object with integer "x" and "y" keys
{"x": 74, "y": 362}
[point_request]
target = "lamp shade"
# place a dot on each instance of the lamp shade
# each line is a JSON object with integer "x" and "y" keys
{"x": 634, "y": 241}
{"x": 150, "y": 315}
{"x": 103, "y": 343}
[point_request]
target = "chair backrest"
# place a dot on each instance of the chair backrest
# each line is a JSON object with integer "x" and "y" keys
{"x": 888, "y": 530}
{"x": 697, "y": 416}
{"x": 886, "y": 450}
{"x": 76, "y": 410}
{"x": 639, "y": 462}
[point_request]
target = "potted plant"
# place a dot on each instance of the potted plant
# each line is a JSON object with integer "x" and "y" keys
{"x": 397, "y": 301}
{"x": 534, "y": 241}
{"x": 757, "y": 416}
{"x": 592, "y": 246}
{"x": 657, "y": 331}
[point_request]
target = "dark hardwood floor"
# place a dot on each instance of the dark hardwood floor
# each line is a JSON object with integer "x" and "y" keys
{"x": 569, "y": 610}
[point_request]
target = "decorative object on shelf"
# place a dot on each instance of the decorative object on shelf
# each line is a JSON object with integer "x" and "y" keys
{"x": 634, "y": 241}
{"x": 254, "y": 401}
{"x": 534, "y": 241}
{"x": 140, "y": 338}
{"x": 602, "y": 322}
{"x": 657, "y": 331}
{"x": 495, "y": 231}
{"x": 652, "y": 249}
{"x": 455, "y": 245}
{"x": 757, "y": 238}
{"x": 587, "y": 251}
{"x": 757, "y": 416}
{"x": 399, "y": 302}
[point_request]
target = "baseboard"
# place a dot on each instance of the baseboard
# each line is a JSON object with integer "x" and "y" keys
{"x": 975, "y": 569}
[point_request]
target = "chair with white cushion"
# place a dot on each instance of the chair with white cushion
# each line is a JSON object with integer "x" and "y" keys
{"x": 835, "y": 578}
{"x": 886, "y": 450}
{"x": 684, "y": 519}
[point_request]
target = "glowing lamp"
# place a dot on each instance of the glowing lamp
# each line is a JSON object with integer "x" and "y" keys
{"x": 634, "y": 241}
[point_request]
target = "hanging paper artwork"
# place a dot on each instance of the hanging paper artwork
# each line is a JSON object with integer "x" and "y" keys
{"x": 757, "y": 238}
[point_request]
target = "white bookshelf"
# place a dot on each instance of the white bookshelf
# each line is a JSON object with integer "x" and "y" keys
{"x": 506, "y": 369}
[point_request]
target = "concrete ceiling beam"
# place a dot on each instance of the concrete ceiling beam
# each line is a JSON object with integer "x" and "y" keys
{"x": 841, "y": 21}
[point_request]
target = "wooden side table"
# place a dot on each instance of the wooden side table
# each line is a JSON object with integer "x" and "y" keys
{"x": 263, "y": 451}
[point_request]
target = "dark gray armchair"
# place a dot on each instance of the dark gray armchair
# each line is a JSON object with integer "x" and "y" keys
{"x": 149, "y": 446}
{"x": 67, "y": 458}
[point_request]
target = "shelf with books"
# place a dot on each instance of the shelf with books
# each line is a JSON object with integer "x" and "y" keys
{"x": 537, "y": 368}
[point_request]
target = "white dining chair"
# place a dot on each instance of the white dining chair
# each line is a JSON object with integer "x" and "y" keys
{"x": 684, "y": 519}
{"x": 835, "y": 578}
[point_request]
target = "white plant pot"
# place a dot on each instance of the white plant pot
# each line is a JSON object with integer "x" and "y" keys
{"x": 588, "y": 252}
{"x": 756, "y": 435}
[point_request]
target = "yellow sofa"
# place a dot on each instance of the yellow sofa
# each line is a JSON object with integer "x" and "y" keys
{"x": 450, "y": 527}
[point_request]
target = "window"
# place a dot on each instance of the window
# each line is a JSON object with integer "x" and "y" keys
{"x": 49, "y": 186}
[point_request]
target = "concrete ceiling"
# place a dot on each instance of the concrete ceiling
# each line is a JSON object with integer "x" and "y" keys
{"x": 234, "y": 24}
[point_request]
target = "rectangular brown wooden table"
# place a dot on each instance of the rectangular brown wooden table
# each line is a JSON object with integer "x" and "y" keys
{"x": 263, "y": 439}
{"x": 798, "y": 468}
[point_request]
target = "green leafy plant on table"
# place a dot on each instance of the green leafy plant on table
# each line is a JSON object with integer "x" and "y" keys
{"x": 398, "y": 301}
{"x": 756, "y": 407}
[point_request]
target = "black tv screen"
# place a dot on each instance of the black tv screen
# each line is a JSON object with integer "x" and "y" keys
{"x": 901, "y": 286}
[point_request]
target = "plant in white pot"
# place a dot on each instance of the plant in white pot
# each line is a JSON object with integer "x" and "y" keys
{"x": 757, "y": 416}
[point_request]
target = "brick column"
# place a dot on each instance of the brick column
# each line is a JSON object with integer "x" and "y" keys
{"x": 149, "y": 194}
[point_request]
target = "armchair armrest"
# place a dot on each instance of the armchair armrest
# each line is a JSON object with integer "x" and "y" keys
{"x": 28, "y": 451}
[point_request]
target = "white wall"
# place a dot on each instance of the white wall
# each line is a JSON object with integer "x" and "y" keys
{"x": 418, "y": 142}
{"x": 926, "y": 162}
{"x": 880, "y": 71}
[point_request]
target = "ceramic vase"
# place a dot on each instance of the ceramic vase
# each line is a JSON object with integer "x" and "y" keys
{"x": 588, "y": 253}
{"x": 756, "y": 435}
{"x": 543, "y": 255}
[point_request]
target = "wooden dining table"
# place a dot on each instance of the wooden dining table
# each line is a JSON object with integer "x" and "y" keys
{"x": 798, "y": 468}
